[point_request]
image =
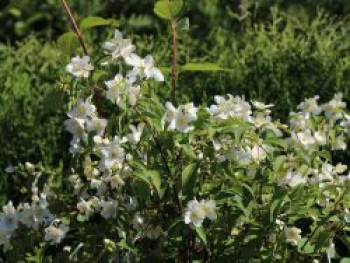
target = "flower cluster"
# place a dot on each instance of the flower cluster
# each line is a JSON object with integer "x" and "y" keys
{"x": 196, "y": 212}
{"x": 146, "y": 170}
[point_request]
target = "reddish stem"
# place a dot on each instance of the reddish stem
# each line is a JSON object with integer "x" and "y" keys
{"x": 173, "y": 70}
{"x": 75, "y": 26}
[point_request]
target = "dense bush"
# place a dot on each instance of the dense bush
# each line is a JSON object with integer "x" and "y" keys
{"x": 153, "y": 180}
{"x": 31, "y": 105}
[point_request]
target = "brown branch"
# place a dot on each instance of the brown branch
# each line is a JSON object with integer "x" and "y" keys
{"x": 75, "y": 26}
{"x": 173, "y": 70}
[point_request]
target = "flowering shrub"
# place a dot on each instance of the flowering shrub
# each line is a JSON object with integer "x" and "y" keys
{"x": 154, "y": 180}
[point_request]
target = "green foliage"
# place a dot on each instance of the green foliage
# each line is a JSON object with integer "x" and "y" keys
{"x": 168, "y": 9}
{"x": 31, "y": 104}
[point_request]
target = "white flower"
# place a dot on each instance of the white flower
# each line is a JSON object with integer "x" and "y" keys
{"x": 340, "y": 168}
{"x": 241, "y": 156}
{"x": 292, "y": 235}
{"x": 82, "y": 110}
{"x": 115, "y": 181}
{"x": 261, "y": 106}
{"x": 136, "y": 132}
{"x": 346, "y": 124}
{"x": 9, "y": 218}
{"x": 293, "y": 179}
{"x": 29, "y": 167}
{"x": 231, "y": 107}
{"x": 85, "y": 207}
{"x": 112, "y": 154}
{"x": 35, "y": 214}
{"x": 180, "y": 118}
{"x": 299, "y": 121}
{"x": 320, "y": 137}
{"x": 280, "y": 224}
{"x": 80, "y": 67}
{"x": 99, "y": 185}
{"x": 209, "y": 209}
{"x": 75, "y": 127}
{"x": 109, "y": 209}
{"x": 116, "y": 88}
{"x": 339, "y": 143}
{"x": 75, "y": 146}
{"x": 305, "y": 138}
{"x": 96, "y": 125}
{"x": 134, "y": 93}
{"x": 310, "y": 106}
{"x": 56, "y": 234}
{"x": 333, "y": 107}
{"x": 196, "y": 212}
{"x": 259, "y": 152}
{"x": 143, "y": 67}
{"x": 118, "y": 46}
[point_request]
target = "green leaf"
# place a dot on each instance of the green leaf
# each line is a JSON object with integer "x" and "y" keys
{"x": 307, "y": 249}
{"x": 202, "y": 67}
{"x": 99, "y": 74}
{"x": 278, "y": 163}
{"x": 151, "y": 177}
{"x": 277, "y": 142}
{"x": 188, "y": 151}
{"x": 66, "y": 42}
{"x": 95, "y": 21}
{"x": 345, "y": 260}
{"x": 187, "y": 173}
{"x": 201, "y": 234}
{"x": 168, "y": 9}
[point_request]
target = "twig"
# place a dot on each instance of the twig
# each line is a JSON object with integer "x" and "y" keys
{"x": 173, "y": 70}
{"x": 75, "y": 26}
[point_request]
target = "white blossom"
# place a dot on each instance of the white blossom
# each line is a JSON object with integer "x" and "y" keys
{"x": 292, "y": 235}
{"x": 136, "y": 132}
{"x": 115, "y": 181}
{"x": 99, "y": 185}
{"x": 75, "y": 127}
{"x": 180, "y": 119}
{"x": 310, "y": 106}
{"x": 333, "y": 107}
{"x": 109, "y": 209}
{"x": 82, "y": 110}
{"x": 86, "y": 207}
{"x": 56, "y": 234}
{"x": 304, "y": 138}
{"x": 294, "y": 179}
{"x": 143, "y": 67}
{"x": 231, "y": 107}
{"x": 96, "y": 125}
{"x": 112, "y": 154}
{"x": 119, "y": 47}
{"x": 80, "y": 67}
{"x": 134, "y": 93}
{"x": 196, "y": 212}
{"x": 116, "y": 88}
{"x": 9, "y": 218}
